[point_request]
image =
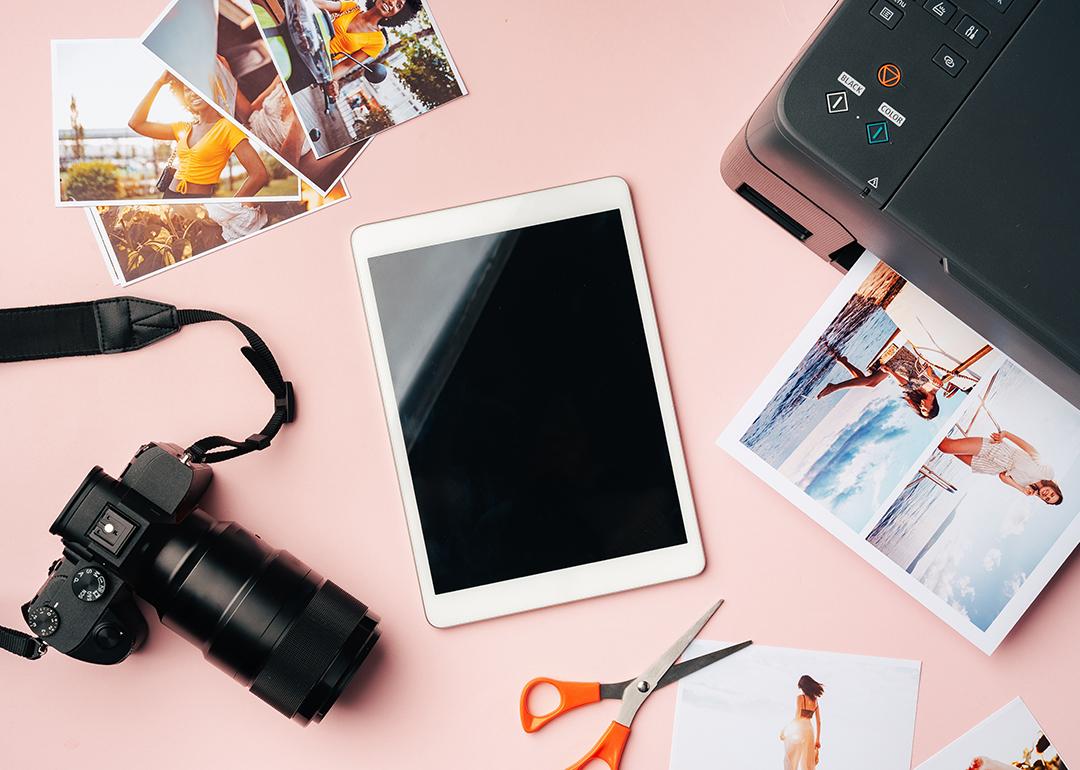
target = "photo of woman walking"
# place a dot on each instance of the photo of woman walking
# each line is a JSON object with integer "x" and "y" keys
{"x": 1011, "y": 459}
{"x": 204, "y": 145}
{"x": 802, "y": 735}
{"x": 729, "y": 717}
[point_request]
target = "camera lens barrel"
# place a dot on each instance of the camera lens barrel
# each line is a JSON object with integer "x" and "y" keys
{"x": 261, "y": 615}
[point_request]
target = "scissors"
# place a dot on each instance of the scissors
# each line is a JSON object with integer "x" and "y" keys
{"x": 633, "y": 693}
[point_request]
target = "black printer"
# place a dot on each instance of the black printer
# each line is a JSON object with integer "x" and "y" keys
{"x": 944, "y": 136}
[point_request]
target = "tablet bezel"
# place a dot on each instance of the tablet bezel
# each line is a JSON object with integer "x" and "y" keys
{"x": 572, "y": 583}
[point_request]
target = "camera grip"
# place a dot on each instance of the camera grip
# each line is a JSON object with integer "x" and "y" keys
{"x": 87, "y": 612}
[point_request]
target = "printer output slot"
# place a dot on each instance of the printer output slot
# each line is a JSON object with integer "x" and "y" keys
{"x": 766, "y": 207}
{"x": 846, "y": 256}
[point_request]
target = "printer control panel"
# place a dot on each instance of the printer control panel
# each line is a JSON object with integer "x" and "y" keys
{"x": 884, "y": 77}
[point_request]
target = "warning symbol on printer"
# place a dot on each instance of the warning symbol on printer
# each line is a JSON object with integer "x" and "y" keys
{"x": 889, "y": 75}
{"x": 875, "y": 182}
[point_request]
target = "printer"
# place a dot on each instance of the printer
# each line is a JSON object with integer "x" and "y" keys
{"x": 943, "y": 136}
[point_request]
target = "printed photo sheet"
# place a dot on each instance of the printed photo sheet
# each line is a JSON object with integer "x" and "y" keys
{"x": 1008, "y": 740}
{"x": 138, "y": 242}
{"x": 939, "y": 460}
{"x": 773, "y": 708}
{"x": 125, "y": 130}
{"x": 355, "y": 69}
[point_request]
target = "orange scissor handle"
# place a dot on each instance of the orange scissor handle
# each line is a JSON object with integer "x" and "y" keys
{"x": 609, "y": 749}
{"x": 571, "y": 695}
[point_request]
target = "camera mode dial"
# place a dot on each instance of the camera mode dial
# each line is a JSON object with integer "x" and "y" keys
{"x": 43, "y": 620}
{"x": 89, "y": 584}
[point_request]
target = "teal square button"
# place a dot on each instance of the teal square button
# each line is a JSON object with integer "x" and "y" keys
{"x": 877, "y": 133}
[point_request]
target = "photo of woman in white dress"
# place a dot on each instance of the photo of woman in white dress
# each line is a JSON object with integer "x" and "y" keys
{"x": 1016, "y": 463}
{"x": 802, "y": 735}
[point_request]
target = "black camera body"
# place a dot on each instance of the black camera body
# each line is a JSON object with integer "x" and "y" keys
{"x": 261, "y": 615}
{"x": 84, "y": 612}
{"x": 86, "y": 608}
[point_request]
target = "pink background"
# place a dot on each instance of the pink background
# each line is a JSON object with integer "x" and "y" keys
{"x": 561, "y": 91}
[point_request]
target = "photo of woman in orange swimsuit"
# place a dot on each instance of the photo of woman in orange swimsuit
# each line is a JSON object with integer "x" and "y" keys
{"x": 204, "y": 145}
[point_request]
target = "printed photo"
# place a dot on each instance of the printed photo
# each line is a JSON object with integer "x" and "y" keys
{"x": 357, "y": 68}
{"x": 1008, "y": 740}
{"x": 981, "y": 515}
{"x": 215, "y": 48}
{"x": 933, "y": 456}
{"x": 127, "y": 131}
{"x": 772, "y": 708}
{"x": 868, "y": 397}
{"x": 139, "y": 241}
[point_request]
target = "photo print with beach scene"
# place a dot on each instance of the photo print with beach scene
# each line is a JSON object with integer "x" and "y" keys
{"x": 977, "y": 521}
{"x": 1011, "y": 739}
{"x": 139, "y": 241}
{"x": 772, "y": 708}
{"x": 909, "y": 437}
{"x": 214, "y": 47}
{"x": 125, "y": 130}
{"x": 355, "y": 69}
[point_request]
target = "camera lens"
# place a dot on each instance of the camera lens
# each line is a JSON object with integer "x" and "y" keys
{"x": 261, "y": 615}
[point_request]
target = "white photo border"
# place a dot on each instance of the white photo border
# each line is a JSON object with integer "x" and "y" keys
{"x": 731, "y": 442}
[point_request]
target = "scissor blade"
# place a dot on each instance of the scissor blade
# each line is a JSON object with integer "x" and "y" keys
{"x": 692, "y": 666}
{"x": 675, "y": 673}
{"x": 643, "y": 686}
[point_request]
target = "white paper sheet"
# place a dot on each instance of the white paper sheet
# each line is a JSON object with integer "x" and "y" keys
{"x": 733, "y": 713}
{"x": 863, "y": 463}
{"x": 1010, "y": 736}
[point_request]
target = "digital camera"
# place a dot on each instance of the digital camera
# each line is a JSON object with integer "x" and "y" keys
{"x": 265, "y": 618}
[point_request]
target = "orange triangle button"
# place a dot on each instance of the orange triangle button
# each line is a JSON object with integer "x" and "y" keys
{"x": 889, "y": 75}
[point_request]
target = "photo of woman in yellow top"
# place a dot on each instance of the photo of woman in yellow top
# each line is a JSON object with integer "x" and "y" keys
{"x": 358, "y": 31}
{"x": 204, "y": 145}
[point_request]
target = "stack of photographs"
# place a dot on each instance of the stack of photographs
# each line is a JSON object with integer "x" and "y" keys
{"x": 229, "y": 118}
{"x": 939, "y": 460}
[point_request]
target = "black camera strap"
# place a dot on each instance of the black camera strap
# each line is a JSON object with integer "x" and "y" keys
{"x": 124, "y": 324}
{"x": 121, "y": 325}
{"x": 21, "y": 644}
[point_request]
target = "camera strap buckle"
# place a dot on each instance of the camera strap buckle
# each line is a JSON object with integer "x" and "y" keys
{"x": 287, "y": 403}
{"x": 213, "y": 449}
{"x": 23, "y": 645}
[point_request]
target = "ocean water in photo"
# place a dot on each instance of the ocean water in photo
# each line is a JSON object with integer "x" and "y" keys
{"x": 976, "y": 547}
{"x": 859, "y": 332}
{"x": 852, "y": 449}
{"x": 921, "y": 514}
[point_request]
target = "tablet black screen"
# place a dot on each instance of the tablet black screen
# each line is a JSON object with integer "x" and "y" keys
{"x": 527, "y": 401}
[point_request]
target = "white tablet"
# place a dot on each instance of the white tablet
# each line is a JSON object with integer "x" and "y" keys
{"x": 529, "y": 410}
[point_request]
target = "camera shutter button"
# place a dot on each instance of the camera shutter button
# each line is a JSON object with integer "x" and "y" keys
{"x": 109, "y": 636}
